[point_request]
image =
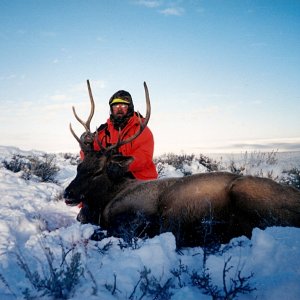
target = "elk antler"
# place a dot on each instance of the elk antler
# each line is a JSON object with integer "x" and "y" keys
{"x": 141, "y": 129}
{"x": 119, "y": 143}
{"x": 86, "y": 124}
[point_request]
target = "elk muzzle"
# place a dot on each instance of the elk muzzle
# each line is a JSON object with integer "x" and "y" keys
{"x": 71, "y": 199}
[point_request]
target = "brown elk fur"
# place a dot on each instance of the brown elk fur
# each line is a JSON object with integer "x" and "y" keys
{"x": 198, "y": 209}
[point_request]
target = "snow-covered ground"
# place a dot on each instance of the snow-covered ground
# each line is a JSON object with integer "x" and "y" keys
{"x": 40, "y": 234}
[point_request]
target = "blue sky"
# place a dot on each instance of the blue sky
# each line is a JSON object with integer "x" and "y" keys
{"x": 222, "y": 75}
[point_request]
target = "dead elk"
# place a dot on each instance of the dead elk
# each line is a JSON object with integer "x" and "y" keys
{"x": 198, "y": 209}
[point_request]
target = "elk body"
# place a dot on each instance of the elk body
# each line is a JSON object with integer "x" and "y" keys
{"x": 198, "y": 209}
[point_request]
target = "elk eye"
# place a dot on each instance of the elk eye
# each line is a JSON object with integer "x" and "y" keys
{"x": 98, "y": 173}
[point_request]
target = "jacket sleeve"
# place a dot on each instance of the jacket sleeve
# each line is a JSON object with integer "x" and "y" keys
{"x": 142, "y": 151}
{"x": 81, "y": 153}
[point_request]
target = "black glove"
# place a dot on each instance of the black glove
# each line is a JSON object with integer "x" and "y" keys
{"x": 87, "y": 141}
{"x": 87, "y": 138}
{"x": 85, "y": 215}
{"x": 115, "y": 171}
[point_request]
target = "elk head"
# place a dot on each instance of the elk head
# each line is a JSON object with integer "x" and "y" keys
{"x": 100, "y": 172}
{"x": 96, "y": 177}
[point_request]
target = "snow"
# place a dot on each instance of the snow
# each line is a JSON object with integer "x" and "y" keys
{"x": 34, "y": 218}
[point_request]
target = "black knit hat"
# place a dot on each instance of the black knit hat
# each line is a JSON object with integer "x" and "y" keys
{"x": 122, "y": 97}
{"x": 125, "y": 98}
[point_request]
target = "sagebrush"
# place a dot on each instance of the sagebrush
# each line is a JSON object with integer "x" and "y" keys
{"x": 42, "y": 167}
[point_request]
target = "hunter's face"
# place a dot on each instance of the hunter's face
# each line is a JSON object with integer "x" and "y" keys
{"x": 119, "y": 110}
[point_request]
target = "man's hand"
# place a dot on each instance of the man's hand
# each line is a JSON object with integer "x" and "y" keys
{"x": 115, "y": 170}
{"x": 87, "y": 141}
{"x": 87, "y": 138}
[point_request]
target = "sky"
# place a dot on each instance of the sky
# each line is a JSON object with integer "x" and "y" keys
{"x": 223, "y": 76}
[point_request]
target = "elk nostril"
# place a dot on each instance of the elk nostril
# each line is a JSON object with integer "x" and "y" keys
{"x": 70, "y": 198}
{"x": 69, "y": 195}
{"x": 66, "y": 194}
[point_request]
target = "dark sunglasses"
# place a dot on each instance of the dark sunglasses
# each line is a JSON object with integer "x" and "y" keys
{"x": 119, "y": 105}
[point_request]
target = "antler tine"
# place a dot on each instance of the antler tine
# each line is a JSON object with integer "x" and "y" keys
{"x": 146, "y": 120}
{"x": 74, "y": 134}
{"x": 87, "y": 129}
{"x": 107, "y": 149}
{"x": 83, "y": 146}
{"x": 142, "y": 124}
{"x": 102, "y": 148}
{"x": 148, "y": 112}
{"x": 88, "y": 122}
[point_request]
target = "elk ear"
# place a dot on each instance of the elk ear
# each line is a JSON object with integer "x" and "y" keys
{"x": 122, "y": 161}
{"x": 118, "y": 166}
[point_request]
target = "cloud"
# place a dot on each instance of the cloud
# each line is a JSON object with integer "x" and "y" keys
{"x": 225, "y": 147}
{"x": 54, "y": 108}
{"x": 59, "y": 97}
{"x": 48, "y": 34}
{"x": 100, "y": 39}
{"x": 172, "y": 11}
{"x": 21, "y": 31}
{"x": 282, "y": 144}
{"x": 200, "y": 10}
{"x": 82, "y": 86}
{"x": 99, "y": 84}
{"x": 256, "y": 102}
{"x": 8, "y": 77}
{"x": 209, "y": 110}
{"x": 258, "y": 44}
{"x": 149, "y": 3}
{"x": 269, "y": 146}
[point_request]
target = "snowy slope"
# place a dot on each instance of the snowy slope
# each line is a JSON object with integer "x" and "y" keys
{"x": 38, "y": 230}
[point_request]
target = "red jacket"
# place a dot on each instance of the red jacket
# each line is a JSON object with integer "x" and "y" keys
{"x": 140, "y": 148}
